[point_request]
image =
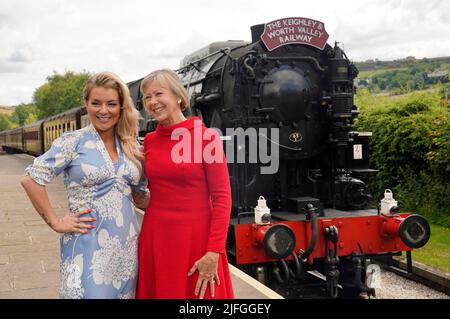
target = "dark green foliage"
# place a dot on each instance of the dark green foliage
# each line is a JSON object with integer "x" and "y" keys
{"x": 60, "y": 93}
{"x": 411, "y": 149}
{"x": 24, "y": 114}
{"x": 5, "y": 122}
{"x": 410, "y": 108}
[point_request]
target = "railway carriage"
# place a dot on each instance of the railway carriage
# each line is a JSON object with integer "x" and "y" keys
{"x": 37, "y": 138}
{"x": 11, "y": 140}
{"x": 56, "y": 125}
{"x": 33, "y": 138}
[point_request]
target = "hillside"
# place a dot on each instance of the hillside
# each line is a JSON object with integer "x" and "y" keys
{"x": 402, "y": 76}
{"x": 6, "y": 110}
{"x": 372, "y": 65}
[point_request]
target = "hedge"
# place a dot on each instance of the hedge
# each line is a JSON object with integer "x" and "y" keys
{"x": 410, "y": 147}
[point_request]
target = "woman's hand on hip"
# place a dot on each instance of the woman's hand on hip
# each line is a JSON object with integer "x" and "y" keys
{"x": 207, "y": 273}
{"x": 73, "y": 223}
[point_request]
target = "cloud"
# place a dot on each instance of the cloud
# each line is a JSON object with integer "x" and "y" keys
{"x": 22, "y": 55}
{"x": 6, "y": 67}
{"x": 132, "y": 39}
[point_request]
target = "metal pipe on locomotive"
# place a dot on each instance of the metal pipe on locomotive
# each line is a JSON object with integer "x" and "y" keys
{"x": 290, "y": 80}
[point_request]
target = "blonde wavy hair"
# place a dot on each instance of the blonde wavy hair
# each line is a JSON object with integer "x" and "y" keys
{"x": 173, "y": 82}
{"x": 127, "y": 128}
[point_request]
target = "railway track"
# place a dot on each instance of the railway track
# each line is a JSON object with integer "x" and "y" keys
{"x": 396, "y": 283}
{"x": 425, "y": 275}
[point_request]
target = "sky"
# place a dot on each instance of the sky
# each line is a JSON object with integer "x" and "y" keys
{"x": 134, "y": 37}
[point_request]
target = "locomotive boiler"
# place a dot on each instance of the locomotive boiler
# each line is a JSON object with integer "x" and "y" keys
{"x": 284, "y": 106}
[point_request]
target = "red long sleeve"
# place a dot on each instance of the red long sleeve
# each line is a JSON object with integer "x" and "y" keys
{"x": 219, "y": 187}
{"x": 188, "y": 213}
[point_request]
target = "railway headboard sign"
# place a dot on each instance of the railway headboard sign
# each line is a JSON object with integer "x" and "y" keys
{"x": 294, "y": 30}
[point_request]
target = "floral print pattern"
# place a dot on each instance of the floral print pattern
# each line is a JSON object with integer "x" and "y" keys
{"x": 115, "y": 261}
{"x": 70, "y": 283}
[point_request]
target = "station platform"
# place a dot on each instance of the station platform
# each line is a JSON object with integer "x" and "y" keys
{"x": 29, "y": 249}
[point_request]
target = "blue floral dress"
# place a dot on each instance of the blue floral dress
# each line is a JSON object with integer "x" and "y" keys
{"x": 103, "y": 262}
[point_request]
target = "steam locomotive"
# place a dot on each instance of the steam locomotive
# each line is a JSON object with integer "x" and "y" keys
{"x": 283, "y": 104}
{"x": 290, "y": 95}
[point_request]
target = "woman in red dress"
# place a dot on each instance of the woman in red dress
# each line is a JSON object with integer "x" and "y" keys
{"x": 182, "y": 241}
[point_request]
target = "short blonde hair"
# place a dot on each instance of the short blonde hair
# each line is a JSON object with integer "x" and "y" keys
{"x": 173, "y": 82}
{"x": 128, "y": 127}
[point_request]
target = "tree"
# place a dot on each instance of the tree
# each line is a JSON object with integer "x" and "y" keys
{"x": 25, "y": 114}
{"x": 5, "y": 122}
{"x": 60, "y": 93}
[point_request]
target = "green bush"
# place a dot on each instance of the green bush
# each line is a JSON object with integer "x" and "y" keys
{"x": 410, "y": 147}
{"x": 5, "y": 122}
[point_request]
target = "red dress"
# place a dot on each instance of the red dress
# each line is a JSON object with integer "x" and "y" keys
{"x": 188, "y": 213}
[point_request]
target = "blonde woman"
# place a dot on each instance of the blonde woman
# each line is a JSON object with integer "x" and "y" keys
{"x": 102, "y": 173}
